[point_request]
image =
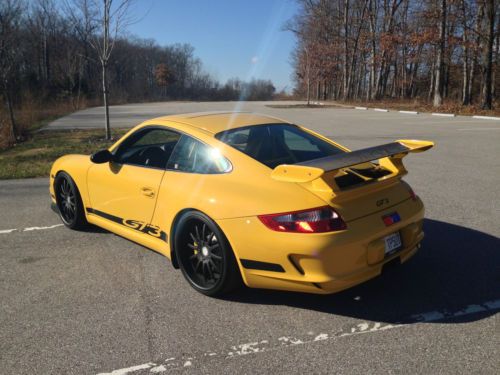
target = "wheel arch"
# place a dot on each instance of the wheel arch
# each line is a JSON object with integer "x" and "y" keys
{"x": 76, "y": 166}
{"x": 174, "y": 226}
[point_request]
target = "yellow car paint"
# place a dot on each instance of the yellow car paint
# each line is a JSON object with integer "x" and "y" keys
{"x": 142, "y": 205}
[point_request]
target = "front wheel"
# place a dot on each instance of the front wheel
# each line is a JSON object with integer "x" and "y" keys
{"x": 69, "y": 202}
{"x": 205, "y": 256}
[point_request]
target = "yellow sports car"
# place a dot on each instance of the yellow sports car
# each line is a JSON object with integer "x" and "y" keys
{"x": 234, "y": 198}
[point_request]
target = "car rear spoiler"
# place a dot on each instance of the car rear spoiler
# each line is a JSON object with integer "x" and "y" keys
{"x": 390, "y": 156}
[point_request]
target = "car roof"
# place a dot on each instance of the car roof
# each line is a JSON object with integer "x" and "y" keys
{"x": 215, "y": 122}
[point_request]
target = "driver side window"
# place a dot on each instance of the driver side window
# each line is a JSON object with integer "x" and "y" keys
{"x": 148, "y": 148}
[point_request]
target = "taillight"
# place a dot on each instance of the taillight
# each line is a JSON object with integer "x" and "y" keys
{"x": 413, "y": 195}
{"x": 316, "y": 220}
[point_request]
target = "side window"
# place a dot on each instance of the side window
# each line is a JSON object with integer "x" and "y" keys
{"x": 296, "y": 142}
{"x": 148, "y": 148}
{"x": 193, "y": 156}
{"x": 238, "y": 139}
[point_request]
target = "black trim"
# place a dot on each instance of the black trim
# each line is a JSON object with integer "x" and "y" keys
{"x": 347, "y": 159}
{"x": 137, "y": 225}
{"x": 54, "y": 207}
{"x": 105, "y": 215}
{"x": 264, "y": 266}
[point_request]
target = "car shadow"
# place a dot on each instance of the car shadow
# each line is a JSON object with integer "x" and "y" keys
{"x": 455, "y": 268}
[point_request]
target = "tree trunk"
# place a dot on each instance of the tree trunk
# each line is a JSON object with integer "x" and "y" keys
{"x": 308, "y": 87}
{"x": 465, "y": 63}
{"x": 495, "y": 66}
{"x": 488, "y": 58}
{"x": 446, "y": 80}
{"x": 473, "y": 67}
{"x": 438, "y": 87}
{"x": 373, "y": 43}
{"x": 346, "y": 47}
{"x": 12, "y": 137}
{"x": 104, "y": 63}
{"x": 433, "y": 80}
{"x": 105, "y": 98}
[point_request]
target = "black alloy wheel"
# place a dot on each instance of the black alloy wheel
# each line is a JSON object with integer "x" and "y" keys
{"x": 205, "y": 257}
{"x": 69, "y": 203}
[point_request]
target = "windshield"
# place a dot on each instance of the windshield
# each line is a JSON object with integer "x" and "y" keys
{"x": 275, "y": 144}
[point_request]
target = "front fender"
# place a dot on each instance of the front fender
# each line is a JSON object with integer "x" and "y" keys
{"x": 77, "y": 167}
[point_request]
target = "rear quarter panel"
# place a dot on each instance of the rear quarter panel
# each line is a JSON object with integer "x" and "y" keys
{"x": 244, "y": 192}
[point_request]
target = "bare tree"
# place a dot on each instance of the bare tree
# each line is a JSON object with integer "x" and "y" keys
{"x": 10, "y": 18}
{"x": 466, "y": 53}
{"x": 487, "y": 98}
{"x": 438, "y": 84}
{"x": 105, "y": 19}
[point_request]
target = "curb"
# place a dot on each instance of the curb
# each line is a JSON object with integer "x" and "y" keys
{"x": 443, "y": 114}
{"x": 486, "y": 117}
{"x": 440, "y": 114}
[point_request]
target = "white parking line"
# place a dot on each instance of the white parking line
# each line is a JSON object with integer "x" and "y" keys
{"x": 7, "y": 231}
{"x": 311, "y": 337}
{"x": 29, "y": 229}
{"x": 472, "y": 129}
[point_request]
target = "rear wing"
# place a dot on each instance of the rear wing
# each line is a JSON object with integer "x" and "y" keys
{"x": 390, "y": 155}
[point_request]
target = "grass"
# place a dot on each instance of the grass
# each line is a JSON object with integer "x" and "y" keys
{"x": 34, "y": 157}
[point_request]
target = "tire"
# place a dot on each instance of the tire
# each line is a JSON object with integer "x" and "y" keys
{"x": 205, "y": 256}
{"x": 69, "y": 202}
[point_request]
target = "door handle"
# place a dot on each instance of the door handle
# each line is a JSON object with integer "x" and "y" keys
{"x": 148, "y": 192}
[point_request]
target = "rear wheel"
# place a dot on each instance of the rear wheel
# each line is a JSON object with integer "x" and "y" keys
{"x": 205, "y": 256}
{"x": 69, "y": 202}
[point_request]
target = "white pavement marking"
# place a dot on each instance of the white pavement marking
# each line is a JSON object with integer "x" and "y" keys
{"x": 29, "y": 229}
{"x": 42, "y": 228}
{"x": 128, "y": 370}
{"x": 486, "y": 117}
{"x": 361, "y": 108}
{"x": 7, "y": 231}
{"x": 471, "y": 129}
{"x": 380, "y": 110}
{"x": 409, "y": 112}
{"x": 261, "y": 346}
{"x": 444, "y": 114}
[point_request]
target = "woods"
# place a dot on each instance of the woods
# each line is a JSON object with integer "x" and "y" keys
{"x": 56, "y": 55}
{"x": 430, "y": 50}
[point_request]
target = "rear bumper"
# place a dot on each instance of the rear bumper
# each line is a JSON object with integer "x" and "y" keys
{"x": 321, "y": 263}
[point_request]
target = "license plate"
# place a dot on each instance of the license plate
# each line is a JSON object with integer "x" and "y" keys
{"x": 392, "y": 243}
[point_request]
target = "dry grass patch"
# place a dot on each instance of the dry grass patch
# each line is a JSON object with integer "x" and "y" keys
{"x": 34, "y": 157}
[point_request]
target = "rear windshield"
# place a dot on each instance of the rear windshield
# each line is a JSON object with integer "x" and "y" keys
{"x": 275, "y": 144}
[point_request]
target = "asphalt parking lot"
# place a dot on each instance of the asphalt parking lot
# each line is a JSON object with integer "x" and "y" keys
{"x": 92, "y": 302}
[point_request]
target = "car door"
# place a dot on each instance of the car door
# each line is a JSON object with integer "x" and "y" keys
{"x": 125, "y": 190}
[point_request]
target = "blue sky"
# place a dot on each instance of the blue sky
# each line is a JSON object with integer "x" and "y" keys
{"x": 233, "y": 38}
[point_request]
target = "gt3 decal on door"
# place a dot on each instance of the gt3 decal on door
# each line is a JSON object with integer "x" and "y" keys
{"x": 138, "y": 225}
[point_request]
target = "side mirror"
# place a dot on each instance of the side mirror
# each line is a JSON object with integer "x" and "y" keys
{"x": 100, "y": 157}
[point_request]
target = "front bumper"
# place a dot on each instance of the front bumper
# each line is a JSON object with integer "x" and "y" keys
{"x": 321, "y": 263}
